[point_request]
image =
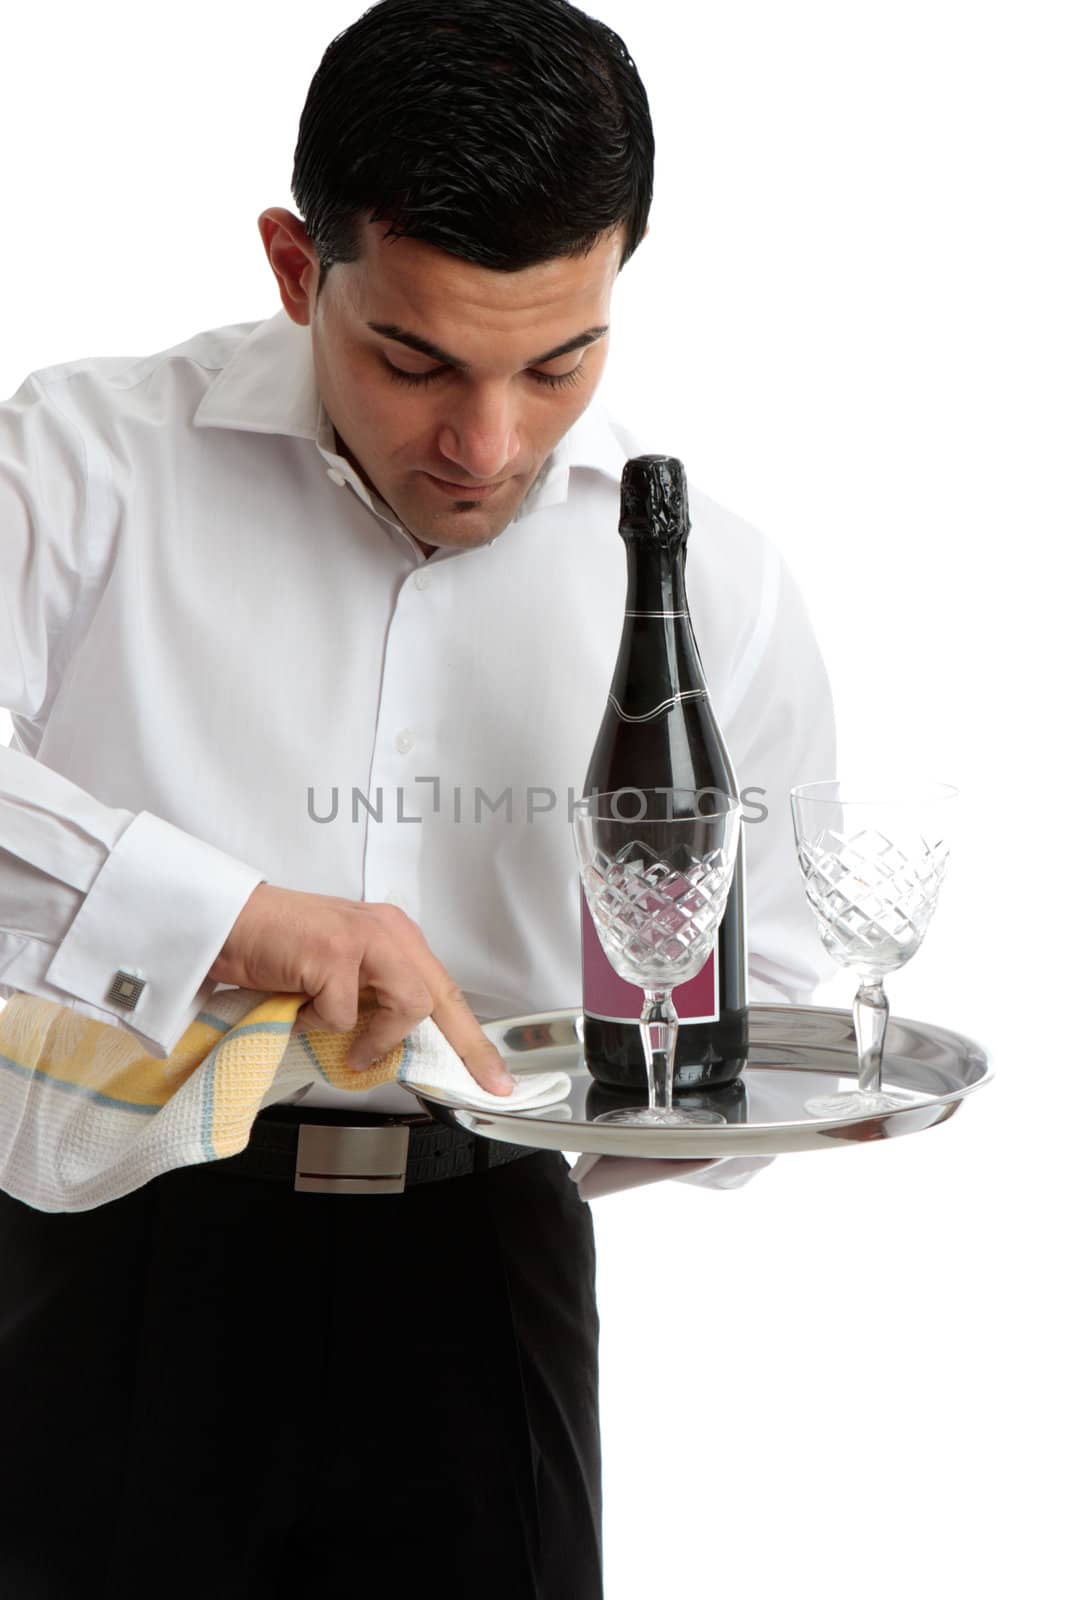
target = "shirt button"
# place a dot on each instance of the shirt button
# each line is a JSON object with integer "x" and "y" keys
{"x": 404, "y": 742}
{"x": 336, "y": 476}
{"x": 422, "y": 580}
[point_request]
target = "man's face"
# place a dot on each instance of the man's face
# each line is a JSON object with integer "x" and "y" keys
{"x": 453, "y": 435}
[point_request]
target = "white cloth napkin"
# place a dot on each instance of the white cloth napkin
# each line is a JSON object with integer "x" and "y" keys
{"x": 431, "y": 1063}
{"x": 597, "y": 1176}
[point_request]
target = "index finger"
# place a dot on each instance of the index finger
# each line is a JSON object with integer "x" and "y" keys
{"x": 463, "y": 1031}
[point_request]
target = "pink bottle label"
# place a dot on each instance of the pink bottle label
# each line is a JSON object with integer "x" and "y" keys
{"x": 610, "y": 998}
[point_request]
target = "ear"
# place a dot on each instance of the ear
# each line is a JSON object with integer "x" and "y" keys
{"x": 293, "y": 260}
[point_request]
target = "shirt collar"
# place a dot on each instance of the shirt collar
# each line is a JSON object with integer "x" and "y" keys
{"x": 268, "y": 386}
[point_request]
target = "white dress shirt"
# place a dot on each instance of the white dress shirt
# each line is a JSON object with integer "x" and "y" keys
{"x": 221, "y": 651}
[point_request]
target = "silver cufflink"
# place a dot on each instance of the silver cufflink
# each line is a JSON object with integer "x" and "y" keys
{"x": 126, "y": 990}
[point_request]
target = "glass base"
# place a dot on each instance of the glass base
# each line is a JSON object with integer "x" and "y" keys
{"x": 651, "y": 1117}
{"x": 852, "y": 1103}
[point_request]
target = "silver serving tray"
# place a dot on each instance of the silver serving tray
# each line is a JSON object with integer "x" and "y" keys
{"x": 795, "y": 1052}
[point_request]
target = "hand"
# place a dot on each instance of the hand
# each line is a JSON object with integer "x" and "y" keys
{"x": 328, "y": 948}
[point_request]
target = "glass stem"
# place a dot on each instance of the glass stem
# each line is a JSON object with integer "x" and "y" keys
{"x": 870, "y": 1014}
{"x": 659, "y": 1035}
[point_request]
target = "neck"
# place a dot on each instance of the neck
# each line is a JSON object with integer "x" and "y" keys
{"x": 427, "y": 549}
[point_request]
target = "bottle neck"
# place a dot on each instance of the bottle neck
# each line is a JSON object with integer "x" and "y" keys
{"x": 655, "y": 581}
{"x": 658, "y": 665}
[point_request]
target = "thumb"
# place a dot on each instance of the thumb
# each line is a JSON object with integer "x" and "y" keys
{"x": 308, "y": 1020}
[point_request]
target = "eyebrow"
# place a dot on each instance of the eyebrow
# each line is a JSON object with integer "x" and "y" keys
{"x": 389, "y": 330}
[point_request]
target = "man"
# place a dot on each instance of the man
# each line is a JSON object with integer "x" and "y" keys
{"x": 307, "y": 630}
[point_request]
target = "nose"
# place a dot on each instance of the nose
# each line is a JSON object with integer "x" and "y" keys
{"x": 481, "y": 435}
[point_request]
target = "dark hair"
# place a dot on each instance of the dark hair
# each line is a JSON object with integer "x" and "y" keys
{"x": 506, "y": 132}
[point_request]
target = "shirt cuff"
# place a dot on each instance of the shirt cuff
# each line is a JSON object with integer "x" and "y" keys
{"x": 158, "y": 913}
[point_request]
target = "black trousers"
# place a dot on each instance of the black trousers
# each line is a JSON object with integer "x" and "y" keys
{"x": 219, "y": 1388}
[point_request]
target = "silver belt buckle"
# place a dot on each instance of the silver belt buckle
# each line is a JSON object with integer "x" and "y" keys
{"x": 350, "y": 1160}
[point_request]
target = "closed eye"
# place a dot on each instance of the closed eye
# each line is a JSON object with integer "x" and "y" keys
{"x": 415, "y": 380}
{"x": 565, "y": 380}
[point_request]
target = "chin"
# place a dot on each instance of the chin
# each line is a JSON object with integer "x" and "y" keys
{"x": 464, "y": 522}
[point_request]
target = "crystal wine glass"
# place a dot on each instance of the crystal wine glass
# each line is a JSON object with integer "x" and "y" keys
{"x": 656, "y": 866}
{"x": 873, "y": 861}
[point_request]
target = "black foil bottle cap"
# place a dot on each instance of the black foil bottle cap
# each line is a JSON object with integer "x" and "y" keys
{"x": 654, "y": 501}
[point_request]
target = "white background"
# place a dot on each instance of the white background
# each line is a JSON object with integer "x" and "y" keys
{"x": 849, "y": 321}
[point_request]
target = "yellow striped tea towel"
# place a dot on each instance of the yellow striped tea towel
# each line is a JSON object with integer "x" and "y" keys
{"x": 87, "y": 1115}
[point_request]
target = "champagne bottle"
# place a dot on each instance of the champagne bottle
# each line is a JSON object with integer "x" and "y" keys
{"x": 659, "y": 731}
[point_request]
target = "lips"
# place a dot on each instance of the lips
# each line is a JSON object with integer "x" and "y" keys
{"x": 465, "y": 491}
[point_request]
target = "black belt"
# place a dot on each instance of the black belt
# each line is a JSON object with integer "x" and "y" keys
{"x": 325, "y": 1152}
